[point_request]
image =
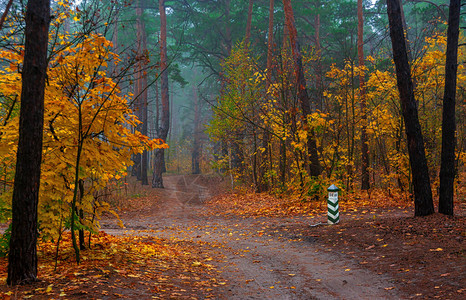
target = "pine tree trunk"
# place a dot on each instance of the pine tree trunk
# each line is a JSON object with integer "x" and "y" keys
{"x": 248, "y": 24}
{"x": 303, "y": 97}
{"x": 268, "y": 80}
{"x": 22, "y": 258}
{"x": 5, "y": 13}
{"x": 137, "y": 105}
{"x": 447, "y": 168}
{"x": 162, "y": 131}
{"x": 144, "y": 180}
{"x": 365, "y": 184}
{"x": 318, "y": 49}
{"x": 423, "y": 204}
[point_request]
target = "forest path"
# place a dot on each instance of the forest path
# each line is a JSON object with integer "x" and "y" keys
{"x": 256, "y": 259}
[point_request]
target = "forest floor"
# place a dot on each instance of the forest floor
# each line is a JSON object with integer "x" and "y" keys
{"x": 191, "y": 241}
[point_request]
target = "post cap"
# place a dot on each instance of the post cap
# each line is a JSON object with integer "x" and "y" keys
{"x": 333, "y": 188}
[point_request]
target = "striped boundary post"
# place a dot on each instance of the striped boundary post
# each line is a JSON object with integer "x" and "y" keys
{"x": 332, "y": 202}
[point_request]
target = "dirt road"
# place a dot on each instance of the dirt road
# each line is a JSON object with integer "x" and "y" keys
{"x": 256, "y": 258}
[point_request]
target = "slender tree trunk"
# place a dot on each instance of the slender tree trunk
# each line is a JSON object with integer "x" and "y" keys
{"x": 144, "y": 180}
{"x": 303, "y": 97}
{"x": 282, "y": 163}
{"x": 5, "y": 13}
{"x": 447, "y": 168}
{"x": 162, "y": 131}
{"x": 262, "y": 184}
{"x": 137, "y": 105}
{"x": 223, "y": 154}
{"x": 248, "y": 24}
{"x": 115, "y": 49}
{"x": 170, "y": 130}
{"x": 319, "y": 83}
{"x": 422, "y": 192}
{"x": 268, "y": 80}
{"x": 195, "y": 168}
{"x": 22, "y": 258}
{"x": 365, "y": 184}
{"x": 157, "y": 106}
{"x": 237, "y": 157}
{"x": 236, "y": 154}
{"x": 80, "y": 213}
{"x": 227, "y": 39}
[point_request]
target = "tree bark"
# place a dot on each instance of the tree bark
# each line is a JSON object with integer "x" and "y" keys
{"x": 319, "y": 84}
{"x": 144, "y": 180}
{"x": 22, "y": 258}
{"x": 195, "y": 168}
{"x": 5, "y": 13}
{"x": 365, "y": 184}
{"x": 263, "y": 184}
{"x": 447, "y": 167}
{"x": 137, "y": 105}
{"x": 80, "y": 213}
{"x": 268, "y": 80}
{"x": 248, "y": 24}
{"x": 423, "y": 204}
{"x": 315, "y": 168}
{"x": 162, "y": 131}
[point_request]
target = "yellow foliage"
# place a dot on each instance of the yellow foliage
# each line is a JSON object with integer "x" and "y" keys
{"x": 83, "y": 109}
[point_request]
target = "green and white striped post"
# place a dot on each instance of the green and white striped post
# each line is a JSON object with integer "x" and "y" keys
{"x": 332, "y": 202}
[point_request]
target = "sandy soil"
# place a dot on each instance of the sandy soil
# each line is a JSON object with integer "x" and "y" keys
{"x": 256, "y": 257}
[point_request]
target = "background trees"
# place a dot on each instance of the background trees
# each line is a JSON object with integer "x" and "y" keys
{"x": 359, "y": 126}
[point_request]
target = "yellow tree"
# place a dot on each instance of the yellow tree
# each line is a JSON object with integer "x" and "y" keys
{"x": 86, "y": 141}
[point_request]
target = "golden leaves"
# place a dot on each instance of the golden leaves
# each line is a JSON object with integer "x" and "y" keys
{"x": 82, "y": 107}
{"x": 114, "y": 264}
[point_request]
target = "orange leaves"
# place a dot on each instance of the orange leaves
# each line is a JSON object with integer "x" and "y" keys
{"x": 146, "y": 265}
{"x": 157, "y": 144}
{"x": 263, "y": 205}
{"x": 254, "y": 204}
{"x": 83, "y": 107}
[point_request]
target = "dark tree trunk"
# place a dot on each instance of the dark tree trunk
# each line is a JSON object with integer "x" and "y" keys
{"x": 282, "y": 163}
{"x": 80, "y": 213}
{"x": 162, "y": 130}
{"x": 22, "y": 258}
{"x": 423, "y": 204}
{"x": 195, "y": 155}
{"x": 303, "y": 97}
{"x": 248, "y": 24}
{"x": 365, "y": 185}
{"x": 223, "y": 154}
{"x": 447, "y": 168}
{"x": 237, "y": 157}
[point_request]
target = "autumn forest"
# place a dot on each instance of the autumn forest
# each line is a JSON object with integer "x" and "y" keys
{"x": 244, "y": 112}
